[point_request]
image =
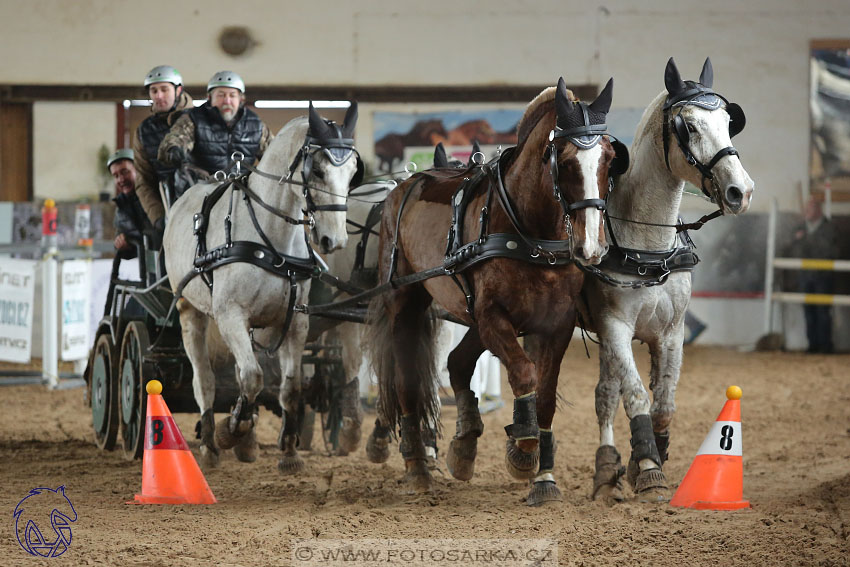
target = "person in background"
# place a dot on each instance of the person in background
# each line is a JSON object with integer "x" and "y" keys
{"x": 130, "y": 218}
{"x": 816, "y": 238}
{"x": 164, "y": 85}
{"x": 209, "y": 134}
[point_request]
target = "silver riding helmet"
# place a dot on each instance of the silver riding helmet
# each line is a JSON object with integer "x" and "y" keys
{"x": 125, "y": 153}
{"x": 226, "y": 79}
{"x": 163, "y": 74}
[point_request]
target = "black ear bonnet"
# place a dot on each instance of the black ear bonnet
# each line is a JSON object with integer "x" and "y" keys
{"x": 583, "y": 125}
{"x": 335, "y": 141}
{"x": 698, "y": 93}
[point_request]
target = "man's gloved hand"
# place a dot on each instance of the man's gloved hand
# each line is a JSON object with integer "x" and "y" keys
{"x": 177, "y": 155}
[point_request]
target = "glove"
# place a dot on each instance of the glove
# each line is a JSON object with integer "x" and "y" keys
{"x": 176, "y": 155}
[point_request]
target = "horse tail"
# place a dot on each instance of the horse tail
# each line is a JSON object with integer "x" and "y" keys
{"x": 421, "y": 383}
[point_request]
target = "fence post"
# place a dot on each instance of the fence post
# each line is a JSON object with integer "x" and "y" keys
{"x": 768, "y": 274}
{"x": 49, "y": 296}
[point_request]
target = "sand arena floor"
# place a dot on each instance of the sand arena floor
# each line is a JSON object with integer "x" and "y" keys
{"x": 796, "y": 427}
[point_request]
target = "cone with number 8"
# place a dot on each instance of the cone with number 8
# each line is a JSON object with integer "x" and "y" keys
{"x": 170, "y": 474}
{"x": 715, "y": 480}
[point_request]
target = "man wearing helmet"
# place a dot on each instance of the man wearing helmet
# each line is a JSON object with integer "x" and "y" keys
{"x": 130, "y": 219}
{"x": 209, "y": 134}
{"x": 165, "y": 89}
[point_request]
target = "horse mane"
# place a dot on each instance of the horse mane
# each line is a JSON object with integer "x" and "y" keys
{"x": 541, "y": 105}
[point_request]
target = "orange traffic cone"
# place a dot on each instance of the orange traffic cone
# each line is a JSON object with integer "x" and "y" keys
{"x": 715, "y": 480}
{"x": 170, "y": 474}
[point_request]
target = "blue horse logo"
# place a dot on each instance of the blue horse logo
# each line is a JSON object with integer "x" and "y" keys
{"x": 38, "y": 503}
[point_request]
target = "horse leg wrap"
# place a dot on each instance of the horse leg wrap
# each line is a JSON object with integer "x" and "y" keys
{"x": 662, "y": 442}
{"x": 643, "y": 440}
{"x": 525, "y": 419}
{"x": 547, "y": 451}
{"x": 643, "y": 447}
{"x": 468, "y": 417}
{"x": 205, "y": 431}
{"x": 290, "y": 427}
{"x": 351, "y": 401}
{"x": 411, "y": 446}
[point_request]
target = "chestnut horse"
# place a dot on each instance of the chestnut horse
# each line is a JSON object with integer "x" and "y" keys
{"x": 510, "y": 270}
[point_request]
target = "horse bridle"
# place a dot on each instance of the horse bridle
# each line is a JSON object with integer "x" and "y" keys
{"x": 584, "y": 138}
{"x": 703, "y": 97}
{"x": 338, "y": 151}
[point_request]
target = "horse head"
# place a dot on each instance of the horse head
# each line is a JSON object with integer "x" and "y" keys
{"x": 581, "y": 157}
{"x": 702, "y": 123}
{"x": 330, "y": 166}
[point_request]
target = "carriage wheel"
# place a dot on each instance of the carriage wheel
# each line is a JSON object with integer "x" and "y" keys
{"x": 104, "y": 393}
{"x": 131, "y": 394}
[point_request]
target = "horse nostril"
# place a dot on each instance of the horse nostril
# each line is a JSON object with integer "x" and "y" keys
{"x": 734, "y": 195}
{"x": 325, "y": 243}
{"x": 579, "y": 252}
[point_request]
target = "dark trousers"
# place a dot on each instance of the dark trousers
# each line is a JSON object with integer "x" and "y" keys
{"x": 818, "y": 317}
{"x": 819, "y": 327}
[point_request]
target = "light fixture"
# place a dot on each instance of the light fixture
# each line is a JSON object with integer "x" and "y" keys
{"x": 301, "y": 103}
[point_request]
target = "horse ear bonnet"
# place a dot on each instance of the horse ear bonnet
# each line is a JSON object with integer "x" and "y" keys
{"x": 699, "y": 94}
{"x": 440, "y": 159}
{"x": 621, "y": 157}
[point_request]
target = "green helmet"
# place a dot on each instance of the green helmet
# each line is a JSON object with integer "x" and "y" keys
{"x": 125, "y": 153}
{"x": 226, "y": 79}
{"x": 163, "y": 74}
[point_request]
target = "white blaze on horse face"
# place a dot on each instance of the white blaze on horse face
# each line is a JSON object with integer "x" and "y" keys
{"x": 587, "y": 247}
{"x": 330, "y": 231}
{"x": 732, "y": 187}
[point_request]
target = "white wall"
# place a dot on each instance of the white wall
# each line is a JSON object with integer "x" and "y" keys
{"x": 66, "y": 140}
{"x": 759, "y": 49}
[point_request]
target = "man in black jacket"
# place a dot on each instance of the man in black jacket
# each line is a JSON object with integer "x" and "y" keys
{"x": 209, "y": 134}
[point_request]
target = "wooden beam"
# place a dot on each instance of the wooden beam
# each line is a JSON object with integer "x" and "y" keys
{"x": 369, "y": 93}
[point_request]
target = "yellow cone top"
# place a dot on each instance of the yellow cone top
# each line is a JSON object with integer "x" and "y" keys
{"x": 154, "y": 388}
{"x": 49, "y": 203}
{"x": 733, "y": 393}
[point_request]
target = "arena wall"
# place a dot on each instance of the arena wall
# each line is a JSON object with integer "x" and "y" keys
{"x": 759, "y": 49}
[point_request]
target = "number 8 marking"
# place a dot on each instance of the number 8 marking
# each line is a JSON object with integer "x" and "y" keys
{"x": 726, "y": 437}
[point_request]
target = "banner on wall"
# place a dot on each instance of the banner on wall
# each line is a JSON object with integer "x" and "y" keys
{"x": 76, "y": 298}
{"x": 17, "y": 291}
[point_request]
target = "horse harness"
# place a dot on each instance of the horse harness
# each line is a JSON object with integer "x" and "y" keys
{"x": 517, "y": 245}
{"x": 703, "y": 97}
{"x": 658, "y": 265}
{"x": 264, "y": 255}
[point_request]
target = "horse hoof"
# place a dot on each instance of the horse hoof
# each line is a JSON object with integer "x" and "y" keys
{"x": 651, "y": 486}
{"x": 349, "y": 435}
{"x": 209, "y": 457}
{"x": 377, "y": 449}
{"x": 607, "y": 480}
{"x": 543, "y": 492}
{"x": 290, "y": 464}
{"x": 247, "y": 448}
{"x": 461, "y": 458}
{"x": 417, "y": 479}
{"x": 223, "y": 437}
{"x": 521, "y": 465}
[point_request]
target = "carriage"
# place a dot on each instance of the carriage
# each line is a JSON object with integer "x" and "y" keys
{"x": 138, "y": 340}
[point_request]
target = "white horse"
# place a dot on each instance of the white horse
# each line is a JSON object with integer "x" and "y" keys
{"x": 246, "y": 294}
{"x": 683, "y": 136}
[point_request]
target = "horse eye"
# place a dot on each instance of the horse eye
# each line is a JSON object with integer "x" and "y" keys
{"x": 691, "y": 128}
{"x": 318, "y": 173}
